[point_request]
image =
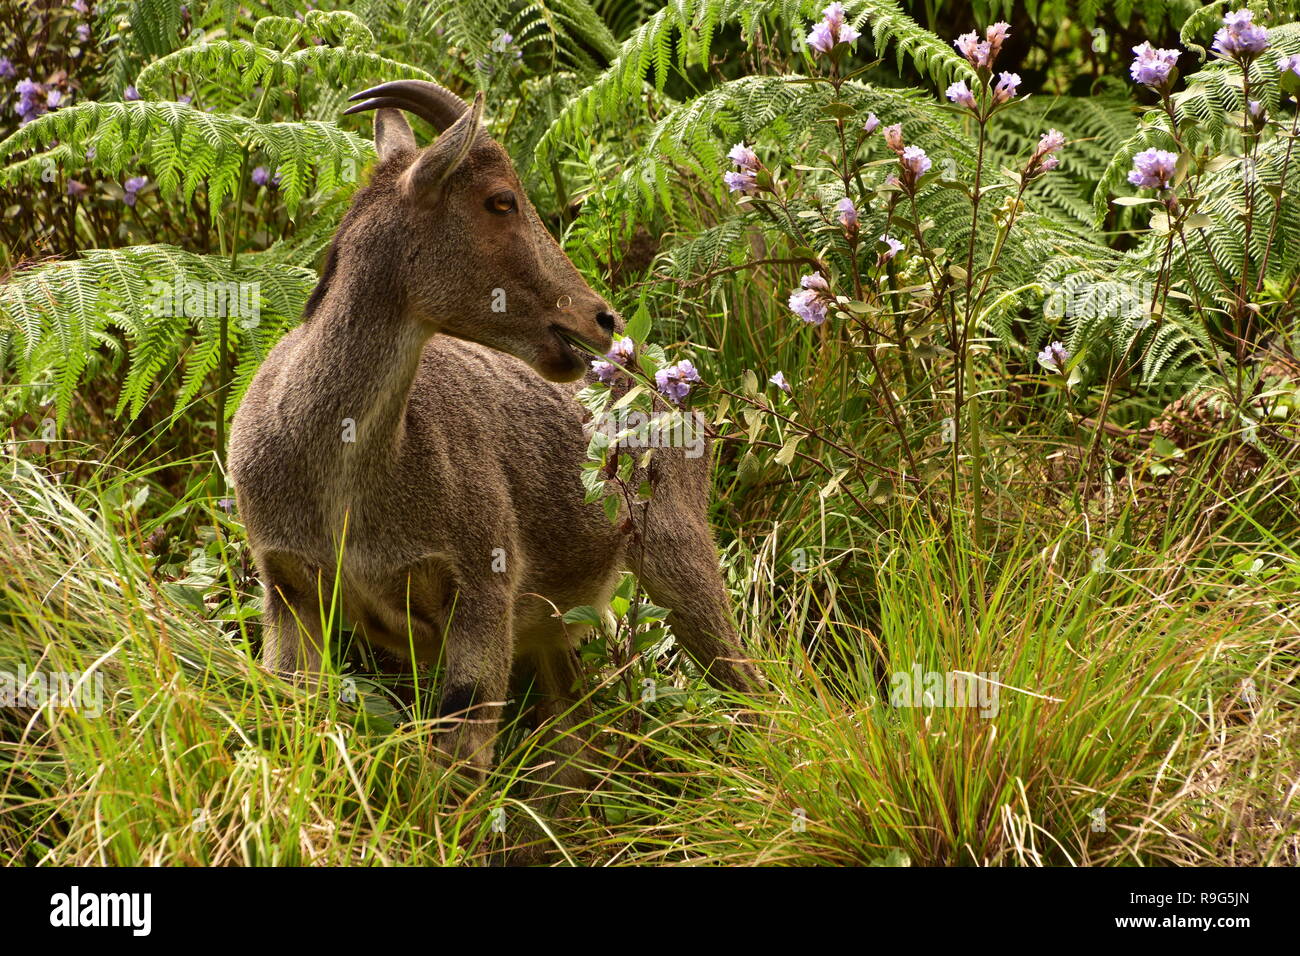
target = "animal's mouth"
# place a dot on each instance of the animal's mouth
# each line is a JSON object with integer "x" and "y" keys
{"x": 574, "y": 346}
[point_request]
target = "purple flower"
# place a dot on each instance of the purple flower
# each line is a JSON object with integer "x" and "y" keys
{"x": 53, "y": 98}
{"x": 1043, "y": 160}
{"x": 1239, "y": 38}
{"x": 1152, "y": 66}
{"x": 815, "y": 281}
{"x": 894, "y": 247}
{"x": 32, "y": 100}
{"x": 81, "y": 6}
{"x": 821, "y": 39}
{"x": 133, "y": 186}
{"x": 832, "y": 31}
{"x": 848, "y": 214}
{"x": 915, "y": 164}
{"x": 743, "y": 183}
{"x": 675, "y": 381}
{"x": 226, "y": 504}
{"x": 744, "y": 180}
{"x": 7, "y": 70}
{"x": 130, "y": 93}
{"x": 620, "y": 353}
{"x": 1050, "y": 142}
{"x": 1153, "y": 168}
{"x": 185, "y": 99}
{"x": 1055, "y": 357}
{"x": 77, "y": 189}
{"x": 744, "y": 158}
{"x": 779, "y": 381}
{"x": 1291, "y": 63}
{"x": 810, "y": 301}
{"x": 960, "y": 94}
{"x": 979, "y": 53}
{"x": 995, "y": 35}
{"x": 894, "y": 137}
{"x": 260, "y": 176}
{"x": 808, "y": 305}
{"x": 1256, "y": 108}
{"x": 83, "y": 32}
{"x": 1006, "y": 88}
{"x": 873, "y": 121}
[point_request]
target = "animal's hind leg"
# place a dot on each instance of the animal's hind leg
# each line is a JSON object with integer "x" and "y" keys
{"x": 563, "y": 715}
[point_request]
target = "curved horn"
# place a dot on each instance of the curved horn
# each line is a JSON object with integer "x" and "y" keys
{"x": 429, "y": 101}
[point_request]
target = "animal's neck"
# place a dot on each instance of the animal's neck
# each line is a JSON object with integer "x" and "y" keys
{"x": 360, "y": 361}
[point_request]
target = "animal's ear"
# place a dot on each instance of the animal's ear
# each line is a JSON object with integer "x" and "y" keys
{"x": 441, "y": 158}
{"x": 392, "y": 134}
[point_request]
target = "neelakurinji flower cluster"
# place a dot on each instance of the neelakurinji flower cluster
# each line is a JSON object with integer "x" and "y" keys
{"x": 982, "y": 53}
{"x": 744, "y": 178}
{"x": 673, "y": 381}
{"x": 1055, "y": 357}
{"x": 1153, "y": 169}
{"x": 813, "y": 300}
{"x": 832, "y": 32}
{"x": 1044, "y": 158}
{"x": 132, "y": 187}
{"x": 1153, "y": 67}
{"x": 1239, "y": 39}
{"x": 34, "y": 99}
{"x": 619, "y": 354}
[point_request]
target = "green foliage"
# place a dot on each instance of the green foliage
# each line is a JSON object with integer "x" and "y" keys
{"x": 127, "y": 300}
{"x": 185, "y": 148}
{"x": 689, "y": 28}
{"x": 58, "y": 313}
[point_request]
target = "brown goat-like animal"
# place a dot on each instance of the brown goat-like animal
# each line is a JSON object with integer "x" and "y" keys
{"x": 418, "y": 433}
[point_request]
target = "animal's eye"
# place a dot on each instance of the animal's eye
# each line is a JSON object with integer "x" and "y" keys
{"x": 502, "y": 203}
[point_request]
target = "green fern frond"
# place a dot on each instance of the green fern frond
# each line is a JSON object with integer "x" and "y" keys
{"x": 184, "y": 147}
{"x": 162, "y": 303}
{"x": 688, "y": 26}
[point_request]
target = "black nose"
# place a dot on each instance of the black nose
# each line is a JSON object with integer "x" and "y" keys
{"x": 605, "y": 320}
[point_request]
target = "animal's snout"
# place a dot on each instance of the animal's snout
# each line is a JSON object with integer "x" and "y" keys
{"x": 605, "y": 319}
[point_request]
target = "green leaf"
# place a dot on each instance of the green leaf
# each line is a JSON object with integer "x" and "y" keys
{"x": 638, "y": 327}
{"x": 583, "y": 614}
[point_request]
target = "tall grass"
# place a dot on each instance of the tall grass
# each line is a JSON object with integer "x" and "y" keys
{"x": 1144, "y": 713}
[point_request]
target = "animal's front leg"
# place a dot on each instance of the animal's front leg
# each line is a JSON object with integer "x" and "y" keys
{"x": 292, "y": 631}
{"x": 477, "y": 656}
